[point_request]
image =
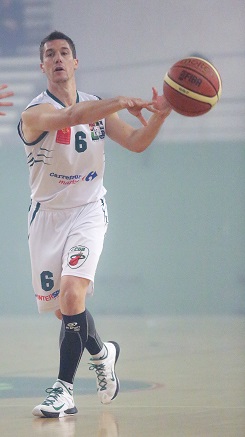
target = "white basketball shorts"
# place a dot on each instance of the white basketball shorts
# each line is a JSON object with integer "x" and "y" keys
{"x": 64, "y": 242}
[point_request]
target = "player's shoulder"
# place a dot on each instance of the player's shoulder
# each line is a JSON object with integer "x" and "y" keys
{"x": 44, "y": 97}
{"x": 83, "y": 97}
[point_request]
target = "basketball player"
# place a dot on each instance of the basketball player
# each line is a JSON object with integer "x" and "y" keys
{"x": 64, "y": 132}
{"x": 5, "y": 95}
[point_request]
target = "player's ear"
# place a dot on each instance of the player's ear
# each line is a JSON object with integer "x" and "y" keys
{"x": 75, "y": 63}
{"x": 42, "y": 68}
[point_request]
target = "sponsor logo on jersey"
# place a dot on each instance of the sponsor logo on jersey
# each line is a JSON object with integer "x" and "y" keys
{"x": 73, "y": 179}
{"x": 97, "y": 130}
{"x": 77, "y": 256}
{"x": 63, "y": 136}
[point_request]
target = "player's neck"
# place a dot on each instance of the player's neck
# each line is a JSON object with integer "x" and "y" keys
{"x": 66, "y": 93}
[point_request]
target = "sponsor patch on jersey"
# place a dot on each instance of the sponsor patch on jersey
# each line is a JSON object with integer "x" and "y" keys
{"x": 77, "y": 256}
{"x": 64, "y": 136}
{"x": 97, "y": 130}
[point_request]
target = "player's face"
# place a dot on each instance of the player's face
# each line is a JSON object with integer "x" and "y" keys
{"x": 58, "y": 63}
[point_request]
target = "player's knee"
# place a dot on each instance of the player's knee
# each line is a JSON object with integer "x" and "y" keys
{"x": 73, "y": 294}
{"x": 58, "y": 314}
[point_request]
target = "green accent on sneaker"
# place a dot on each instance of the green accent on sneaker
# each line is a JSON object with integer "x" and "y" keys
{"x": 58, "y": 408}
{"x": 101, "y": 376}
{"x": 67, "y": 389}
{"x": 53, "y": 394}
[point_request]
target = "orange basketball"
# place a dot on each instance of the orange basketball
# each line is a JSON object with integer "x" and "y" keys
{"x": 192, "y": 86}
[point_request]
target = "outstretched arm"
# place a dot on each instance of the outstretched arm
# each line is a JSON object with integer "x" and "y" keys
{"x": 46, "y": 117}
{"x": 5, "y": 95}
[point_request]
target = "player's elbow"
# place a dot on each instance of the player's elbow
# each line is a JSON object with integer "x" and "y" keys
{"x": 137, "y": 147}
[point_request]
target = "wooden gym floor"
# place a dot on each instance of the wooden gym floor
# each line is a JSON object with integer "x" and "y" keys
{"x": 180, "y": 377}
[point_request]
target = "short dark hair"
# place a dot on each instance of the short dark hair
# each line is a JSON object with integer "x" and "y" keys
{"x": 57, "y": 35}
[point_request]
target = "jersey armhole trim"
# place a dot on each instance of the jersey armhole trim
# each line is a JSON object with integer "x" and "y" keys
{"x": 20, "y": 132}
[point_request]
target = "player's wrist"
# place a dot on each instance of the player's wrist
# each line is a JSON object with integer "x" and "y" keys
{"x": 122, "y": 102}
{"x": 161, "y": 115}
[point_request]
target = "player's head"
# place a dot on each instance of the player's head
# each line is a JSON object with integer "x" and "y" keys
{"x": 57, "y": 35}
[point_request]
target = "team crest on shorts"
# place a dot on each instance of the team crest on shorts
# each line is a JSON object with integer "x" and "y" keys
{"x": 77, "y": 256}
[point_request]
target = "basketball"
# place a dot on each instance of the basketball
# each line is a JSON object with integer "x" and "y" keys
{"x": 192, "y": 86}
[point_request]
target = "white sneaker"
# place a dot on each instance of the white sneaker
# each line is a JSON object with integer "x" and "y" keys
{"x": 107, "y": 381}
{"x": 58, "y": 403}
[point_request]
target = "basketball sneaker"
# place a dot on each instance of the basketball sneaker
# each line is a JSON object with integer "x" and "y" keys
{"x": 58, "y": 403}
{"x": 107, "y": 381}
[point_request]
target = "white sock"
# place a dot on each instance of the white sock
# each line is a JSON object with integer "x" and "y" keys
{"x": 102, "y": 354}
{"x": 66, "y": 384}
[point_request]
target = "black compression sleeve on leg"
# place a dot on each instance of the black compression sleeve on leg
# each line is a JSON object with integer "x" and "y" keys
{"x": 62, "y": 332}
{"x": 94, "y": 343}
{"x": 72, "y": 345}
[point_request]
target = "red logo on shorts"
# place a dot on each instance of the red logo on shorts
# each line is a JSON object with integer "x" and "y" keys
{"x": 64, "y": 136}
{"x": 74, "y": 259}
{"x": 77, "y": 256}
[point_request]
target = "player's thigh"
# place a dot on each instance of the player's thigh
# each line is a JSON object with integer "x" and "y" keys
{"x": 46, "y": 250}
{"x": 85, "y": 242}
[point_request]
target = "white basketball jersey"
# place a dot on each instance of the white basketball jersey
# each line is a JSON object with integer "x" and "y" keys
{"x": 66, "y": 166}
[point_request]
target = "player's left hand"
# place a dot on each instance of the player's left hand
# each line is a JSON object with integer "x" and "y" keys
{"x": 135, "y": 107}
{"x": 158, "y": 105}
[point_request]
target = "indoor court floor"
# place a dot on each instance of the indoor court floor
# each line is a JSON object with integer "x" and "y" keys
{"x": 180, "y": 377}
